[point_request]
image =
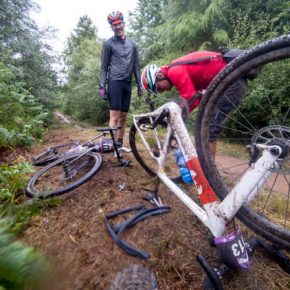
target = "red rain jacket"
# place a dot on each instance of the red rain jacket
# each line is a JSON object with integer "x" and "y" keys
{"x": 190, "y": 78}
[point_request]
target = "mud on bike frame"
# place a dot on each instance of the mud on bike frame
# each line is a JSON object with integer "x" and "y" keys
{"x": 215, "y": 215}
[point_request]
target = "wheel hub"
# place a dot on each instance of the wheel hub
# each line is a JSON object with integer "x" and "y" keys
{"x": 275, "y": 135}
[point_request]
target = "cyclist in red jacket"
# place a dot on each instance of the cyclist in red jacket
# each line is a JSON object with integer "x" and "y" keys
{"x": 191, "y": 74}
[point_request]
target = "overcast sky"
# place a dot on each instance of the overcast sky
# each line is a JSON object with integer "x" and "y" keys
{"x": 64, "y": 15}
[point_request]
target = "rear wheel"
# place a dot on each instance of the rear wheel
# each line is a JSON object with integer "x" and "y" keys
{"x": 261, "y": 116}
{"x": 142, "y": 155}
{"x": 63, "y": 175}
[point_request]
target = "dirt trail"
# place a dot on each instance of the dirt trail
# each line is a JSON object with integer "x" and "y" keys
{"x": 83, "y": 256}
{"x": 232, "y": 167}
{"x": 65, "y": 120}
{"x": 62, "y": 118}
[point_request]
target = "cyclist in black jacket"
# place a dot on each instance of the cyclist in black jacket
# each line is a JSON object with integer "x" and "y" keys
{"x": 119, "y": 62}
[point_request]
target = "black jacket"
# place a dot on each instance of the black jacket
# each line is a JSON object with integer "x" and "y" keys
{"x": 119, "y": 61}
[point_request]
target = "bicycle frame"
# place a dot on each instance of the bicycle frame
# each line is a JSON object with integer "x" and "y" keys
{"x": 214, "y": 214}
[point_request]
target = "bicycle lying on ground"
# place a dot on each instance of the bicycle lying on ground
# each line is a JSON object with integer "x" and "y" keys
{"x": 249, "y": 189}
{"x": 72, "y": 164}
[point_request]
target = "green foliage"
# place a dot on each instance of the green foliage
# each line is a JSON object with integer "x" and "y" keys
{"x": 268, "y": 97}
{"x": 145, "y": 22}
{"x": 22, "y": 41}
{"x": 275, "y": 11}
{"x": 267, "y": 101}
{"x": 80, "y": 94}
{"x": 177, "y": 27}
{"x": 85, "y": 29}
{"x": 20, "y": 266}
{"x": 22, "y": 117}
{"x": 27, "y": 81}
{"x": 13, "y": 181}
{"x": 247, "y": 33}
{"x": 182, "y": 26}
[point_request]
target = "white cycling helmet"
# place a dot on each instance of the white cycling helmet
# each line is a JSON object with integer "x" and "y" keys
{"x": 148, "y": 78}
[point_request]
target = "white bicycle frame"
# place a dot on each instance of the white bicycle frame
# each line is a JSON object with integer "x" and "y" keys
{"x": 214, "y": 214}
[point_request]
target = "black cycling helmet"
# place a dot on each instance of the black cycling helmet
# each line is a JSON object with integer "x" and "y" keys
{"x": 115, "y": 17}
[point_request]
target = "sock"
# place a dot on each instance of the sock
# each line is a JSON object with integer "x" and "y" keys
{"x": 121, "y": 141}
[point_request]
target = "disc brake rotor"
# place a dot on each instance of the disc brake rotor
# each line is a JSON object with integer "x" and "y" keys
{"x": 278, "y": 132}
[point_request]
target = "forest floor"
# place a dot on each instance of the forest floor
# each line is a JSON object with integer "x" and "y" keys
{"x": 82, "y": 255}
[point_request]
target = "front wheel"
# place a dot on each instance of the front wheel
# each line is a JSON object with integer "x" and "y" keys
{"x": 63, "y": 175}
{"x": 248, "y": 104}
{"x": 141, "y": 153}
{"x": 52, "y": 154}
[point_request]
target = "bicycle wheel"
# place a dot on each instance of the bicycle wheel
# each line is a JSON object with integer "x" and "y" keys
{"x": 63, "y": 175}
{"x": 142, "y": 155}
{"x": 262, "y": 115}
{"x": 52, "y": 154}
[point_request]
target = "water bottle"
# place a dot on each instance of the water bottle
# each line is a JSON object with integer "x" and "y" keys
{"x": 184, "y": 171}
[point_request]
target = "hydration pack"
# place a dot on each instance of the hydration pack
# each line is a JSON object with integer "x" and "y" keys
{"x": 227, "y": 54}
{"x": 230, "y": 54}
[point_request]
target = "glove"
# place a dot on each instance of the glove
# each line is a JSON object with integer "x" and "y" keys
{"x": 139, "y": 91}
{"x": 103, "y": 93}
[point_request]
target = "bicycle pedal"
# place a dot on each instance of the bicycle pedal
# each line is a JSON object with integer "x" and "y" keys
{"x": 122, "y": 163}
{"x": 125, "y": 163}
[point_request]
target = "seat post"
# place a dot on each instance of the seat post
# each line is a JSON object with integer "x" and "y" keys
{"x": 114, "y": 143}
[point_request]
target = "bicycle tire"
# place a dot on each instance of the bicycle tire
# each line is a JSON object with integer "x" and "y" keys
{"x": 265, "y": 55}
{"x": 44, "y": 158}
{"x": 52, "y": 154}
{"x": 41, "y": 183}
{"x": 142, "y": 156}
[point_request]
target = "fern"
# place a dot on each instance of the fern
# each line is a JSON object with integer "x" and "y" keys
{"x": 20, "y": 266}
{"x": 12, "y": 181}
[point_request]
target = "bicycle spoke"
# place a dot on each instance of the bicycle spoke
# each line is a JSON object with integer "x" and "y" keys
{"x": 286, "y": 115}
{"x": 63, "y": 175}
{"x": 258, "y": 120}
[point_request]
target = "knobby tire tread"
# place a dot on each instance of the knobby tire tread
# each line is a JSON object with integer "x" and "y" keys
{"x": 132, "y": 140}
{"x": 279, "y": 48}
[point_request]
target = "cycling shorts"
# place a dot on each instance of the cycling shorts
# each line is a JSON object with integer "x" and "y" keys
{"x": 227, "y": 103}
{"x": 119, "y": 95}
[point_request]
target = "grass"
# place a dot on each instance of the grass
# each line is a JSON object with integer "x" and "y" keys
{"x": 231, "y": 149}
{"x": 275, "y": 207}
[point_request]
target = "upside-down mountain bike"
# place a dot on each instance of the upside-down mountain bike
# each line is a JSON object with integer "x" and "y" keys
{"x": 72, "y": 164}
{"x": 255, "y": 185}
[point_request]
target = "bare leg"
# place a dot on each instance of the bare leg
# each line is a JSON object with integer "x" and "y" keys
{"x": 114, "y": 118}
{"x": 121, "y": 123}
